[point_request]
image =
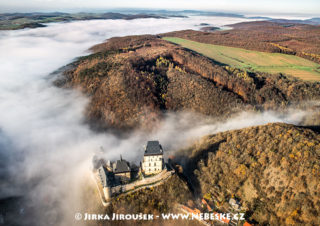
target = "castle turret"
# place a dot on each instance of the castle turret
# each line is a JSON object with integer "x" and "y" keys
{"x": 153, "y": 158}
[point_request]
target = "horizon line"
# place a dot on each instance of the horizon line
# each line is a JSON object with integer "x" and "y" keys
{"x": 95, "y": 10}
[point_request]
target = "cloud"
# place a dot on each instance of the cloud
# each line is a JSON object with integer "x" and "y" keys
{"x": 45, "y": 148}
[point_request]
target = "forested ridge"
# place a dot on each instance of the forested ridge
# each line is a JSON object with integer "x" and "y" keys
{"x": 132, "y": 81}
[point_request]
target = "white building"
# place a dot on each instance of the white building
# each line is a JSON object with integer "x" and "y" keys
{"x": 153, "y": 158}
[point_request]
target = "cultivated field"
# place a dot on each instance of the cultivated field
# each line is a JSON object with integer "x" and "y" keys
{"x": 254, "y": 60}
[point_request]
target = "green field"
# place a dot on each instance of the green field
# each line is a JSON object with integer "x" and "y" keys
{"x": 254, "y": 60}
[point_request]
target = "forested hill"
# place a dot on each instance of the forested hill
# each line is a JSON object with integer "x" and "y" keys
{"x": 274, "y": 170}
{"x": 132, "y": 80}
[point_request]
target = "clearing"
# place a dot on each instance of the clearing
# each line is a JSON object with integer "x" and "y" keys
{"x": 254, "y": 60}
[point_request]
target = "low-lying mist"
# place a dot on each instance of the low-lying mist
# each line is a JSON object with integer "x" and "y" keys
{"x": 46, "y": 149}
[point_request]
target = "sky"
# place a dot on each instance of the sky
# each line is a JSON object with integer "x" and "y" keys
{"x": 243, "y": 6}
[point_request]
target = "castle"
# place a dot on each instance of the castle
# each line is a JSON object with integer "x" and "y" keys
{"x": 116, "y": 176}
{"x": 120, "y": 176}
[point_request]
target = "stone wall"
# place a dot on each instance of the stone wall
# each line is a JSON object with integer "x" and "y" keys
{"x": 143, "y": 183}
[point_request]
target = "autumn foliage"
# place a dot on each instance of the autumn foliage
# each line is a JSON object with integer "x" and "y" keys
{"x": 132, "y": 81}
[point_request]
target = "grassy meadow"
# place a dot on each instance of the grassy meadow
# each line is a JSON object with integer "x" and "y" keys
{"x": 254, "y": 60}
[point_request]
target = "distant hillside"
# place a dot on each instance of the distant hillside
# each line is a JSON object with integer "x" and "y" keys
{"x": 273, "y": 169}
{"x": 277, "y": 37}
{"x": 312, "y": 21}
{"x": 133, "y": 80}
{"x": 14, "y": 21}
